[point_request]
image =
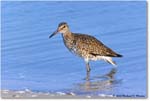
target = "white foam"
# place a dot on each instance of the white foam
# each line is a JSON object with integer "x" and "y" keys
{"x": 60, "y": 93}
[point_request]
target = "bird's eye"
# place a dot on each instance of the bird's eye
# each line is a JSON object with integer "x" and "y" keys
{"x": 64, "y": 26}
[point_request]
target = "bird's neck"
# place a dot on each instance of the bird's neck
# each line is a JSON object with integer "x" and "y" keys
{"x": 68, "y": 34}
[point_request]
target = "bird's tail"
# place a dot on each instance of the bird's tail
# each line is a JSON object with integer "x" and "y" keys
{"x": 119, "y": 55}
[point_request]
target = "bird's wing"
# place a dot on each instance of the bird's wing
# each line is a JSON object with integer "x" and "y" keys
{"x": 94, "y": 46}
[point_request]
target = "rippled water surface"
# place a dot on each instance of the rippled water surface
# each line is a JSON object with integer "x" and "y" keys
{"x": 30, "y": 60}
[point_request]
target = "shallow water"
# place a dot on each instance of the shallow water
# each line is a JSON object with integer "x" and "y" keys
{"x": 30, "y": 60}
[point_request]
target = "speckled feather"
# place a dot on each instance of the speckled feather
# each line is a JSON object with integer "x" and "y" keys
{"x": 88, "y": 46}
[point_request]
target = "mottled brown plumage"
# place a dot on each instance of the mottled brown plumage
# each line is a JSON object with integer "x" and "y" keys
{"x": 85, "y": 46}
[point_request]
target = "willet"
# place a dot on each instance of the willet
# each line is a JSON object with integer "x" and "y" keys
{"x": 85, "y": 46}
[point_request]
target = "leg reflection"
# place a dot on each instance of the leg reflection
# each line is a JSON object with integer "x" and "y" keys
{"x": 111, "y": 73}
{"x": 102, "y": 82}
{"x": 87, "y": 76}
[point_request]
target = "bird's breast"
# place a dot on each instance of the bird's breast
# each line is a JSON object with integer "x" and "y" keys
{"x": 70, "y": 44}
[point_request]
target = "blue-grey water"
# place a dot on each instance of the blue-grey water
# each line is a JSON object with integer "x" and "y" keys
{"x": 30, "y": 60}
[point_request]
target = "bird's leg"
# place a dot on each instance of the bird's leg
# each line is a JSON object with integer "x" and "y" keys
{"x": 88, "y": 67}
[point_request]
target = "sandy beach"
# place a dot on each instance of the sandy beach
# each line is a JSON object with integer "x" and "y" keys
{"x": 27, "y": 94}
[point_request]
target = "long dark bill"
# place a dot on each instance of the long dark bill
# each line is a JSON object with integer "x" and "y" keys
{"x": 54, "y": 33}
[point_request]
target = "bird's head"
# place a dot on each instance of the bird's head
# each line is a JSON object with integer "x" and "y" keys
{"x": 62, "y": 28}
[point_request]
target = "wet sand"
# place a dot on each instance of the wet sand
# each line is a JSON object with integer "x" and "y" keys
{"x": 27, "y": 94}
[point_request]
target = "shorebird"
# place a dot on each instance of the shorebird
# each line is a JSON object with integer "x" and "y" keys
{"x": 85, "y": 46}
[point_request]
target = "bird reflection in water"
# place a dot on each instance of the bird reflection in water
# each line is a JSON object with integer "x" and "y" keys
{"x": 99, "y": 83}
